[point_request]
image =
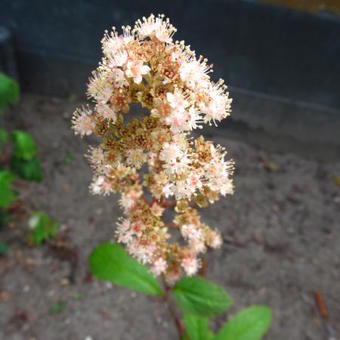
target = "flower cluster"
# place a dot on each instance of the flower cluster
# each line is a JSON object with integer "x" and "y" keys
{"x": 152, "y": 161}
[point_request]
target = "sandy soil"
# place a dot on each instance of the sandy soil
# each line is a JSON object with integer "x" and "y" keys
{"x": 281, "y": 228}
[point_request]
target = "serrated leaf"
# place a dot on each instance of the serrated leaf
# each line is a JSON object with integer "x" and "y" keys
{"x": 110, "y": 262}
{"x": 9, "y": 91}
{"x": 198, "y": 296}
{"x": 42, "y": 227}
{"x": 7, "y": 195}
{"x": 29, "y": 170}
{"x": 196, "y": 327}
{"x": 249, "y": 324}
{"x": 24, "y": 145}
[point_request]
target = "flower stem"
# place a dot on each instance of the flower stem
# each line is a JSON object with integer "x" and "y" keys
{"x": 178, "y": 323}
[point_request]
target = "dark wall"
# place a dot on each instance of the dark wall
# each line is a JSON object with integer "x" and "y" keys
{"x": 272, "y": 50}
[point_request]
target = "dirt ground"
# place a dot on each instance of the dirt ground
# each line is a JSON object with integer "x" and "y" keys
{"x": 281, "y": 229}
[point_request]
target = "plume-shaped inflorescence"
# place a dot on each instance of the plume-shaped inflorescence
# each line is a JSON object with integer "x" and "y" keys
{"x": 143, "y": 65}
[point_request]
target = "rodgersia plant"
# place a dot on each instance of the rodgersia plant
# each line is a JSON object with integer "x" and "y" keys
{"x": 153, "y": 162}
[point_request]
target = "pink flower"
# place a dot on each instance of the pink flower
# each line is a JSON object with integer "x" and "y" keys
{"x": 136, "y": 69}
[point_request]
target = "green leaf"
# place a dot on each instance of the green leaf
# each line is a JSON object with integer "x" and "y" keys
{"x": 195, "y": 295}
{"x": 4, "y": 247}
{"x": 57, "y": 307}
{"x": 24, "y": 145}
{"x": 29, "y": 170}
{"x": 9, "y": 91}
{"x": 196, "y": 327}
{"x": 110, "y": 262}
{"x": 249, "y": 324}
{"x": 42, "y": 227}
{"x": 3, "y": 137}
{"x": 7, "y": 195}
{"x": 69, "y": 158}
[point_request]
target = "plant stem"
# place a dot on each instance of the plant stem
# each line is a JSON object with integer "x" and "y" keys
{"x": 179, "y": 325}
{"x": 203, "y": 269}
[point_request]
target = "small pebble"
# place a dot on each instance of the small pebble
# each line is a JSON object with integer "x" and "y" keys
{"x": 26, "y": 289}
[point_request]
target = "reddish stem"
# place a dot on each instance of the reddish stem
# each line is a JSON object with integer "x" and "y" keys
{"x": 203, "y": 269}
{"x": 179, "y": 325}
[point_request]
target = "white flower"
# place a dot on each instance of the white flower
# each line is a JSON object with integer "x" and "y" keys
{"x": 100, "y": 186}
{"x": 191, "y": 232}
{"x": 99, "y": 89}
{"x": 96, "y": 158}
{"x": 117, "y": 76}
{"x": 194, "y": 73}
{"x": 176, "y": 161}
{"x": 170, "y": 153}
{"x": 136, "y": 69}
{"x": 214, "y": 239}
{"x": 129, "y": 198}
{"x": 119, "y": 58}
{"x": 156, "y": 210}
{"x": 112, "y": 44}
{"x": 83, "y": 123}
{"x": 124, "y": 232}
{"x": 177, "y": 100}
{"x": 136, "y": 157}
{"x": 194, "y": 119}
{"x": 190, "y": 264}
{"x": 194, "y": 181}
{"x": 159, "y": 267}
{"x": 106, "y": 112}
{"x": 180, "y": 166}
{"x": 197, "y": 247}
{"x": 168, "y": 190}
{"x": 155, "y": 27}
{"x": 219, "y": 103}
{"x": 143, "y": 253}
